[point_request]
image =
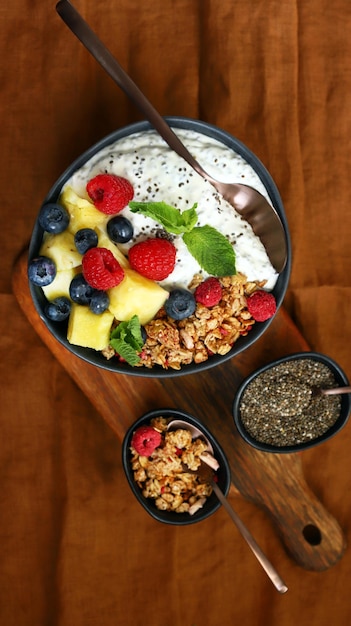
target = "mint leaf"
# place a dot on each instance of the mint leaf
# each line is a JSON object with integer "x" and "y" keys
{"x": 125, "y": 351}
{"x": 172, "y": 220}
{"x": 212, "y": 250}
{"x": 127, "y": 340}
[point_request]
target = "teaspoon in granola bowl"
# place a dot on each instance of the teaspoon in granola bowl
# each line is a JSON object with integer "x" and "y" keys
{"x": 248, "y": 202}
{"x": 211, "y": 463}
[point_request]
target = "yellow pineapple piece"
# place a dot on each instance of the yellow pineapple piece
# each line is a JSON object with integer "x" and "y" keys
{"x": 83, "y": 213}
{"x": 62, "y": 250}
{"x": 136, "y": 295}
{"x": 60, "y": 284}
{"x": 87, "y": 329}
{"x": 105, "y": 242}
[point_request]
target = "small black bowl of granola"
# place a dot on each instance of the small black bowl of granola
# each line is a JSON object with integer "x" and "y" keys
{"x": 161, "y": 459}
{"x": 93, "y": 267}
{"x": 279, "y": 408}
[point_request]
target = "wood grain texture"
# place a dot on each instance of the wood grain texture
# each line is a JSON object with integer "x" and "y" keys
{"x": 276, "y": 483}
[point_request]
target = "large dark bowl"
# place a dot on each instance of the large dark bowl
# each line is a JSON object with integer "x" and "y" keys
{"x": 212, "y": 503}
{"x": 96, "y": 358}
{"x": 341, "y": 381}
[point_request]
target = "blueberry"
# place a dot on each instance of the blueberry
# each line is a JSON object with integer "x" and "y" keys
{"x": 84, "y": 239}
{"x": 79, "y": 290}
{"x": 119, "y": 229}
{"x": 99, "y": 302}
{"x": 143, "y": 334}
{"x": 41, "y": 271}
{"x": 59, "y": 309}
{"x": 180, "y": 304}
{"x": 53, "y": 218}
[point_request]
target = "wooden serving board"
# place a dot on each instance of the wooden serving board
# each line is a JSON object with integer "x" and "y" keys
{"x": 275, "y": 482}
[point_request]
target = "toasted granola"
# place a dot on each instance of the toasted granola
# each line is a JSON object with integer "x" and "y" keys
{"x": 167, "y": 475}
{"x": 173, "y": 344}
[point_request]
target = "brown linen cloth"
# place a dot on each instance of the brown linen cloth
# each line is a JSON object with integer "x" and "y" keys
{"x": 76, "y": 549}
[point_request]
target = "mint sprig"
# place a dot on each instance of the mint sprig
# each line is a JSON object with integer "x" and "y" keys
{"x": 212, "y": 250}
{"x": 172, "y": 220}
{"x": 127, "y": 340}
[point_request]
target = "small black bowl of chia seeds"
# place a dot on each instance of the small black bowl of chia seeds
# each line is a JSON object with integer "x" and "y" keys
{"x": 278, "y": 408}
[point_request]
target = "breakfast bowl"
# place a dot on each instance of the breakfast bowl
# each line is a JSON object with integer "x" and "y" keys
{"x": 147, "y": 324}
{"x": 172, "y": 495}
{"x": 282, "y": 408}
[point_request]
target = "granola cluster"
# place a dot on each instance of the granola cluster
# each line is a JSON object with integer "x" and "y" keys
{"x": 167, "y": 475}
{"x": 214, "y": 330}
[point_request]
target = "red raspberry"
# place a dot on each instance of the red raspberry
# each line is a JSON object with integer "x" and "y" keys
{"x": 100, "y": 269}
{"x": 110, "y": 193}
{"x": 261, "y": 305}
{"x": 145, "y": 439}
{"x": 209, "y": 292}
{"x": 153, "y": 258}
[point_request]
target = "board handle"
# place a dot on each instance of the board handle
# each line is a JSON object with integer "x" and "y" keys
{"x": 310, "y": 534}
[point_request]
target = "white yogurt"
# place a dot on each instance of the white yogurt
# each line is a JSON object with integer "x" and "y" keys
{"x": 159, "y": 174}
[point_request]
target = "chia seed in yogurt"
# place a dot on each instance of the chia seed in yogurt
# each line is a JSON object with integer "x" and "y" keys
{"x": 159, "y": 175}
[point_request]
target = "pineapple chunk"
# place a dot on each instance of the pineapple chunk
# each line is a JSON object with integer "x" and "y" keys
{"x": 83, "y": 213}
{"x": 136, "y": 295}
{"x": 62, "y": 250}
{"x": 60, "y": 284}
{"x": 87, "y": 329}
{"x": 105, "y": 242}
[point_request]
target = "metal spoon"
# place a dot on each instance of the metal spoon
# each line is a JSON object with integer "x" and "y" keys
{"x": 316, "y": 391}
{"x": 261, "y": 557}
{"x": 253, "y": 207}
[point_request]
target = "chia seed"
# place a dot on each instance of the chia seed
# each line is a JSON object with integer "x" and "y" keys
{"x": 278, "y": 407}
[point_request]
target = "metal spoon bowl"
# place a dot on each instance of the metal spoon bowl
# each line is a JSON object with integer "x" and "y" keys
{"x": 280, "y": 402}
{"x": 253, "y": 207}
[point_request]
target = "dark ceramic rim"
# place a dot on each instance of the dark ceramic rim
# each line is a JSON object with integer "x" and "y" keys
{"x": 96, "y": 358}
{"x": 341, "y": 379}
{"x": 224, "y": 477}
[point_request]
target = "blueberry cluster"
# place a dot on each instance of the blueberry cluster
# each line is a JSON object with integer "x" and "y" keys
{"x": 54, "y": 219}
{"x": 82, "y": 293}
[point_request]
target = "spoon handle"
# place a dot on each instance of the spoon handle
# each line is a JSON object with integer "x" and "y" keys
{"x": 263, "y": 560}
{"x": 336, "y": 391}
{"x": 94, "y": 45}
